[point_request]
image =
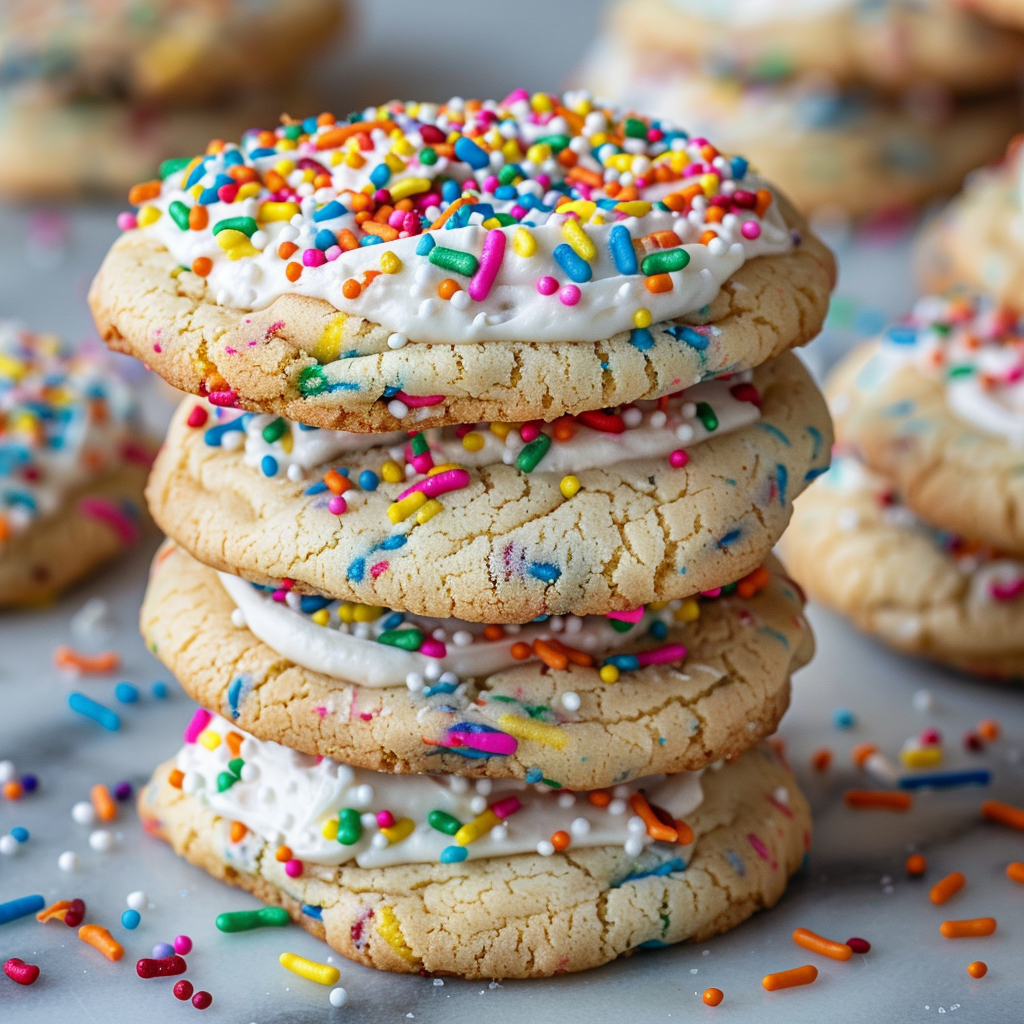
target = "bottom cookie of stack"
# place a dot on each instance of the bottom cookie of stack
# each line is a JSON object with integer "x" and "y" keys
{"x": 493, "y": 879}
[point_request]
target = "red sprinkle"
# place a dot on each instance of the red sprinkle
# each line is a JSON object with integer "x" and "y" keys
{"x": 201, "y": 1000}
{"x": 198, "y": 416}
{"x": 165, "y": 967}
{"x": 21, "y": 972}
{"x": 858, "y": 945}
{"x": 183, "y": 990}
{"x": 76, "y": 912}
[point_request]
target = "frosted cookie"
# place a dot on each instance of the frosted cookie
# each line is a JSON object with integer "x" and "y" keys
{"x": 72, "y": 465}
{"x": 175, "y": 52}
{"x": 833, "y": 148}
{"x": 858, "y": 550}
{"x": 494, "y": 524}
{"x": 423, "y": 264}
{"x": 424, "y": 874}
{"x": 584, "y": 702}
{"x": 936, "y": 406}
{"x": 891, "y": 44}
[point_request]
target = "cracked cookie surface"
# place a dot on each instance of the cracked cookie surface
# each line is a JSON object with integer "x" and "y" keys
{"x": 526, "y": 915}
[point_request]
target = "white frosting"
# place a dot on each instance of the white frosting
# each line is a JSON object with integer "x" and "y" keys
{"x": 761, "y": 12}
{"x": 287, "y": 798}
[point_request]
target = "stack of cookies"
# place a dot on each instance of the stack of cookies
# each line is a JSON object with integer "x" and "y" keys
{"x": 95, "y": 94}
{"x": 470, "y": 525}
{"x": 857, "y": 107}
{"x": 917, "y": 531}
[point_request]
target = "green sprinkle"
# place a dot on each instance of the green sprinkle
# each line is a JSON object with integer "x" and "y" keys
{"x": 533, "y": 453}
{"x": 634, "y": 128}
{"x": 664, "y": 262}
{"x": 179, "y": 214}
{"x": 235, "y": 766}
{"x": 177, "y": 163}
{"x": 247, "y": 920}
{"x": 292, "y": 131}
{"x": 275, "y": 430}
{"x": 350, "y": 826}
{"x": 225, "y": 781}
{"x": 244, "y": 224}
{"x": 428, "y": 156}
{"x": 419, "y": 445}
{"x": 707, "y": 417}
{"x": 407, "y": 639}
{"x": 444, "y": 822}
{"x": 961, "y": 371}
{"x": 619, "y": 626}
{"x": 457, "y": 262}
{"x": 559, "y": 142}
{"x": 508, "y": 174}
{"x": 312, "y": 381}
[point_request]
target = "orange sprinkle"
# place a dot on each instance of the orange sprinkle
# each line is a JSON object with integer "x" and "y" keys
{"x": 588, "y": 177}
{"x": 242, "y": 174}
{"x": 712, "y": 996}
{"x": 274, "y": 181}
{"x": 818, "y": 944}
{"x": 287, "y": 249}
{"x": 684, "y": 834}
{"x": 58, "y": 910}
{"x": 560, "y": 840}
{"x": 878, "y": 799}
{"x": 175, "y": 777}
{"x": 458, "y": 204}
{"x": 99, "y": 938}
{"x": 790, "y": 979}
{"x": 234, "y": 742}
{"x": 351, "y": 288}
{"x": 753, "y": 583}
{"x": 656, "y": 828}
{"x": 346, "y": 240}
{"x": 237, "y": 832}
{"x": 294, "y": 271}
{"x": 977, "y": 969}
{"x": 385, "y": 231}
{"x": 325, "y": 119}
{"x": 334, "y": 137}
{"x": 658, "y": 283}
{"x": 861, "y": 752}
{"x": 12, "y": 790}
{"x": 493, "y": 632}
{"x": 103, "y": 803}
{"x": 970, "y": 929}
{"x": 989, "y": 729}
{"x": 599, "y": 797}
{"x": 764, "y": 200}
{"x": 821, "y": 759}
{"x": 1004, "y": 814}
{"x": 201, "y": 266}
{"x": 1015, "y": 871}
{"x": 283, "y": 853}
{"x": 336, "y": 483}
{"x": 663, "y": 239}
{"x": 576, "y": 657}
{"x": 520, "y": 651}
{"x": 714, "y": 214}
{"x": 550, "y": 655}
{"x": 447, "y": 288}
{"x": 65, "y": 657}
{"x": 708, "y": 236}
{"x": 146, "y": 190}
{"x": 563, "y": 429}
{"x": 916, "y": 865}
{"x": 948, "y": 886}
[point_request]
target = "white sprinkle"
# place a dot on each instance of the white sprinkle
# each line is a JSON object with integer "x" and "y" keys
{"x": 579, "y": 827}
{"x": 397, "y": 409}
{"x": 68, "y": 861}
{"x": 544, "y": 848}
{"x": 571, "y": 700}
{"x": 83, "y": 813}
{"x": 7, "y": 771}
{"x": 238, "y": 618}
{"x": 101, "y": 840}
{"x": 633, "y": 846}
{"x": 617, "y": 807}
{"x": 462, "y": 638}
{"x": 368, "y": 819}
{"x": 137, "y": 900}
{"x": 8, "y": 845}
{"x": 339, "y": 997}
{"x": 397, "y": 340}
{"x": 924, "y": 700}
{"x": 414, "y": 681}
{"x": 294, "y": 473}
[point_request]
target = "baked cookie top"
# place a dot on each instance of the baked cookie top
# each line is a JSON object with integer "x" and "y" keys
{"x": 936, "y": 405}
{"x": 477, "y": 248}
{"x": 605, "y": 512}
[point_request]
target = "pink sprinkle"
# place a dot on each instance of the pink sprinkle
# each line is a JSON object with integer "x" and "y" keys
{"x": 715, "y": 592}
{"x": 422, "y": 463}
{"x": 662, "y": 655}
{"x": 333, "y": 253}
{"x": 126, "y": 221}
{"x": 385, "y": 819}
{"x": 198, "y": 416}
{"x": 320, "y": 711}
{"x": 432, "y": 648}
{"x": 182, "y": 945}
{"x": 133, "y": 452}
{"x": 634, "y": 615}
{"x": 279, "y": 595}
{"x": 678, "y": 459}
{"x": 746, "y": 393}
{"x": 930, "y": 737}
{"x": 780, "y": 806}
{"x": 490, "y": 742}
{"x": 293, "y": 868}
{"x": 761, "y": 850}
{"x": 157, "y": 348}
{"x": 380, "y": 567}
{"x": 490, "y": 183}
{"x": 230, "y": 350}
{"x": 750, "y": 229}
{"x": 338, "y": 505}
{"x": 547, "y": 286}
{"x": 419, "y": 401}
{"x": 490, "y": 261}
{"x": 313, "y": 258}
{"x": 1006, "y": 591}
{"x": 200, "y": 720}
{"x": 223, "y": 398}
{"x": 569, "y": 295}
{"x": 113, "y": 516}
{"x": 530, "y": 431}
{"x": 439, "y": 483}
{"x": 506, "y": 807}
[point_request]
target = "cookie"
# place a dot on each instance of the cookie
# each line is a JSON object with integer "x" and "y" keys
{"x": 159, "y": 51}
{"x": 519, "y": 915}
{"x": 936, "y": 406}
{"x": 840, "y": 149}
{"x": 859, "y": 550}
{"x": 892, "y": 45}
{"x": 1003, "y": 12}
{"x": 606, "y": 528}
{"x": 716, "y": 682}
{"x": 474, "y": 261}
{"x": 72, "y": 465}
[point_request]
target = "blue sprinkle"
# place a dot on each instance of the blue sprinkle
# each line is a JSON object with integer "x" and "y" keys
{"x": 739, "y": 167}
{"x": 197, "y": 173}
{"x": 775, "y": 635}
{"x": 368, "y": 480}
{"x": 309, "y": 603}
{"x": 357, "y": 570}
{"x": 904, "y": 408}
{"x": 575, "y": 267}
{"x": 215, "y": 435}
{"x": 318, "y": 488}
{"x": 393, "y": 543}
{"x": 393, "y": 621}
{"x": 623, "y": 662}
{"x": 641, "y": 338}
{"x": 817, "y": 439}
{"x": 325, "y": 238}
{"x": 688, "y": 336}
{"x": 813, "y": 474}
{"x": 736, "y": 861}
{"x": 730, "y": 538}
{"x": 126, "y": 693}
{"x": 469, "y": 152}
{"x": 425, "y": 244}
{"x": 159, "y": 690}
{"x": 450, "y": 190}
{"x": 505, "y": 192}
{"x": 86, "y": 706}
{"x": 534, "y": 775}
{"x": 782, "y": 481}
{"x": 453, "y": 854}
{"x": 370, "y": 240}
{"x": 310, "y": 911}
{"x": 269, "y": 465}
{"x": 21, "y": 907}
{"x": 843, "y": 718}
{"x": 900, "y": 334}
{"x": 329, "y": 212}
{"x": 936, "y": 780}
{"x": 620, "y": 245}
{"x": 659, "y": 630}
{"x": 130, "y": 919}
{"x": 544, "y": 571}
{"x": 29, "y": 783}
{"x": 770, "y": 428}
{"x": 380, "y": 175}
{"x": 309, "y": 126}
{"x": 19, "y": 833}
{"x": 445, "y": 688}
{"x": 235, "y": 694}
{"x": 262, "y": 151}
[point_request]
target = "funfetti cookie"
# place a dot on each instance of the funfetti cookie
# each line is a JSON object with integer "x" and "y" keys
{"x": 432, "y": 874}
{"x": 891, "y": 44}
{"x": 164, "y": 52}
{"x": 422, "y": 264}
{"x": 936, "y": 406}
{"x": 859, "y": 550}
{"x": 493, "y": 523}
{"x": 834, "y": 148}
{"x": 582, "y": 702}
{"x": 73, "y": 465}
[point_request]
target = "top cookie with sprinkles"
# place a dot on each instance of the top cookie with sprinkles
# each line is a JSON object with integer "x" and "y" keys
{"x": 521, "y": 259}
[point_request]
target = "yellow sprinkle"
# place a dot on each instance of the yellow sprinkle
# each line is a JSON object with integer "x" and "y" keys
{"x": 248, "y": 190}
{"x": 391, "y": 472}
{"x": 287, "y": 441}
{"x": 399, "y": 831}
{"x": 657, "y": 606}
{"x": 710, "y": 183}
{"x": 236, "y": 244}
{"x": 409, "y": 187}
{"x": 399, "y": 511}
{"x": 577, "y": 238}
{"x": 541, "y": 103}
{"x": 390, "y": 263}
{"x": 500, "y": 429}
{"x": 634, "y": 208}
{"x": 321, "y": 616}
{"x": 286, "y": 145}
{"x": 512, "y": 154}
{"x": 443, "y": 468}
{"x": 531, "y": 729}
{"x": 12, "y": 368}
{"x": 429, "y": 510}
{"x": 473, "y": 441}
{"x": 609, "y": 674}
{"x": 278, "y": 211}
{"x": 330, "y": 829}
{"x": 284, "y": 167}
{"x": 196, "y": 191}
{"x": 390, "y": 931}
{"x": 491, "y": 222}
{"x": 569, "y": 485}
{"x": 642, "y": 318}
{"x": 924, "y": 757}
{"x": 327, "y": 349}
{"x": 523, "y": 243}
{"x": 147, "y": 215}
{"x": 366, "y": 613}
{"x": 538, "y": 152}
{"x": 688, "y": 611}
{"x": 322, "y": 974}
{"x": 394, "y": 162}
{"x": 478, "y": 827}
{"x": 209, "y": 739}
{"x": 354, "y": 159}
{"x": 584, "y": 207}
{"x": 403, "y": 147}
{"x": 347, "y": 613}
